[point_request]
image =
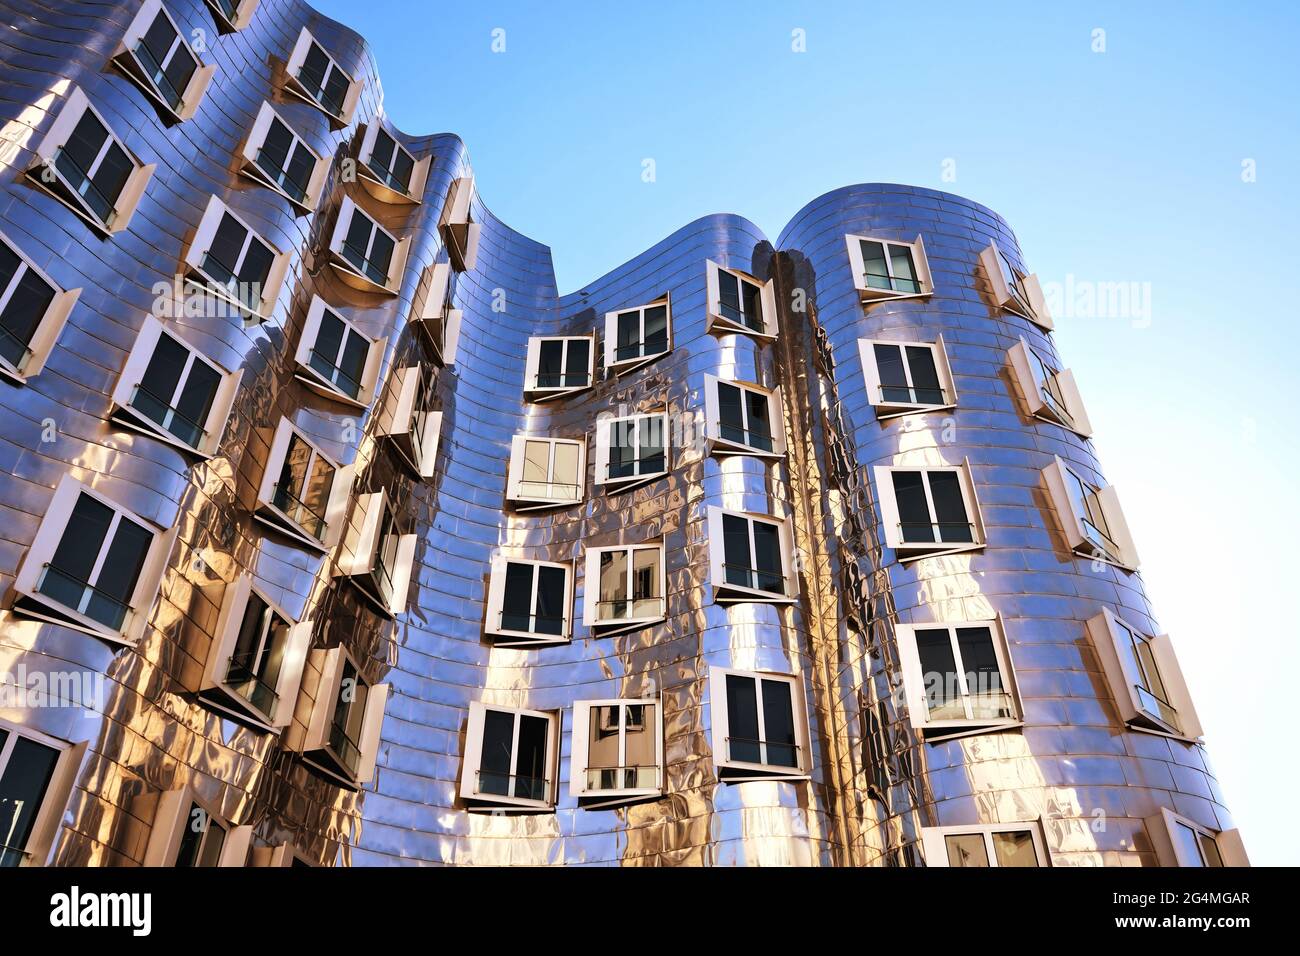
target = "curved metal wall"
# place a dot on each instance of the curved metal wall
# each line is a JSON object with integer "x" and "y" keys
{"x": 153, "y": 734}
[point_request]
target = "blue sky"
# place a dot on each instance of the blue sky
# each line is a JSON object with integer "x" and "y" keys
{"x": 1117, "y": 166}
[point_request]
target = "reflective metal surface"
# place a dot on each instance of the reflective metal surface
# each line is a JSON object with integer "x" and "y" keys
{"x": 1073, "y": 763}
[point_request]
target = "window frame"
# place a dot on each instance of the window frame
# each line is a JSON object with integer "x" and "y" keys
{"x": 360, "y": 556}
{"x": 740, "y": 771}
{"x": 1170, "y": 852}
{"x": 934, "y": 843}
{"x": 48, "y": 819}
{"x": 857, "y": 265}
{"x": 886, "y": 409}
{"x": 1108, "y": 632}
{"x": 171, "y": 810}
{"x": 329, "y": 665}
{"x": 538, "y": 393}
{"x": 371, "y": 180}
{"x": 336, "y": 502}
{"x": 579, "y": 760}
{"x": 1024, "y": 298}
{"x": 615, "y": 366}
{"x": 908, "y": 551}
{"x": 128, "y": 60}
{"x": 1058, "y": 477}
{"x": 460, "y": 233}
{"x": 201, "y": 244}
{"x": 417, "y": 445}
{"x": 351, "y": 274}
{"x": 716, "y": 322}
{"x": 50, "y": 325}
{"x": 591, "y": 589}
{"x": 725, "y": 592}
{"x": 515, "y": 480}
{"x": 436, "y": 310}
{"x": 495, "y": 604}
{"x": 935, "y": 729}
{"x": 66, "y": 119}
{"x": 244, "y": 10}
{"x": 713, "y": 426}
{"x": 297, "y": 88}
{"x": 473, "y": 760}
{"x": 252, "y": 148}
{"x": 604, "y": 447}
{"x": 1039, "y": 398}
{"x": 310, "y": 376}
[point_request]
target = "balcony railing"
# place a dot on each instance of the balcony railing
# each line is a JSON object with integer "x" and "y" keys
{"x": 939, "y": 532}
{"x": 735, "y": 314}
{"x": 562, "y": 380}
{"x": 768, "y": 753}
{"x": 13, "y": 349}
{"x": 560, "y": 491}
{"x": 879, "y": 280}
{"x": 325, "y": 366}
{"x": 80, "y": 182}
{"x": 158, "y": 76}
{"x": 635, "y": 777}
{"x": 373, "y": 270}
{"x": 530, "y": 623}
{"x": 758, "y": 579}
{"x": 281, "y": 177}
{"x": 635, "y": 350}
{"x": 244, "y": 680}
{"x": 166, "y": 415}
{"x": 299, "y": 512}
{"x": 755, "y": 436}
{"x": 614, "y": 611}
{"x": 82, "y": 597}
{"x": 913, "y": 395}
{"x": 522, "y": 786}
{"x": 996, "y": 705}
{"x": 344, "y": 747}
{"x": 636, "y": 467}
{"x": 1157, "y": 707}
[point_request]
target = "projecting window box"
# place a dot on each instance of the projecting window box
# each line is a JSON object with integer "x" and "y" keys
{"x": 316, "y": 78}
{"x": 387, "y": 169}
{"x": 888, "y": 268}
{"x": 341, "y": 738}
{"x": 1180, "y": 841}
{"x": 624, "y": 588}
{"x": 760, "y": 726}
{"x": 511, "y": 758}
{"x": 33, "y": 310}
{"x": 751, "y": 558}
{"x": 459, "y": 231}
{"x": 304, "y": 493}
{"x": 618, "y": 752}
{"x": 1050, "y": 393}
{"x": 738, "y": 302}
{"x": 229, "y": 260}
{"x": 376, "y": 555}
{"x": 631, "y": 450}
{"x": 742, "y": 418}
{"x": 366, "y": 256}
{"x": 37, "y": 773}
{"x": 275, "y": 156}
{"x": 1013, "y": 290}
{"x": 636, "y": 337}
{"x": 929, "y": 511}
{"x": 1090, "y": 517}
{"x": 232, "y": 15}
{"x": 435, "y": 313}
{"x": 336, "y": 359}
{"x": 904, "y": 378}
{"x": 557, "y": 366}
{"x": 546, "y": 472}
{"x": 410, "y": 421}
{"x": 986, "y": 845}
{"x": 155, "y": 56}
{"x": 189, "y": 831}
{"x": 529, "y": 602}
{"x": 1144, "y": 677}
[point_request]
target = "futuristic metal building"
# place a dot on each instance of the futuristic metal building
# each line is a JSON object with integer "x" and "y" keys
{"x": 331, "y": 533}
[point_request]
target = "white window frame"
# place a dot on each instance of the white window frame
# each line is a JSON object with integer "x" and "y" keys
{"x": 49, "y": 817}
{"x": 516, "y": 490}
{"x": 440, "y": 321}
{"x": 416, "y": 440}
{"x": 1058, "y": 477}
{"x": 717, "y": 322}
{"x": 1054, "y": 399}
{"x": 915, "y": 684}
{"x": 859, "y": 268}
{"x": 370, "y": 180}
{"x": 349, "y": 273}
{"x": 244, "y": 10}
{"x": 217, "y": 688}
{"x": 615, "y": 366}
{"x": 907, "y": 551}
{"x": 174, "y": 811}
{"x": 739, "y": 771}
{"x": 206, "y": 284}
{"x": 469, "y": 789}
{"x": 1169, "y": 852}
{"x": 252, "y": 148}
{"x": 885, "y": 408}
{"x": 315, "y": 380}
{"x": 1025, "y": 298}
{"x": 583, "y": 713}
{"x": 591, "y": 589}
{"x": 65, "y": 121}
{"x": 493, "y": 625}
{"x": 934, "y": 843}
{"x": 295, "y": 86}
{"x": 719, "y": 445}
{"x": 538, "y": 393}
{"x": 137, "y": 362}
{"x": 727, "y": 593}
{"x": 460, "y": 233}
{"x": 48, "y": 537}
{"x": 604, "y": 446}
{"x": 336, "y": 507}
{"x": 50, "y": 325}
{"x": 1108, "y": 632}
{"x": 359, "y": 558}
{"x": 128, "y": 60}
{"x": 328, "y": 667}
{"x": 280, "y": 855}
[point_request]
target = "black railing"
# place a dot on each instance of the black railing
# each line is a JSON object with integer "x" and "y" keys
{"x": 649, "y": 465}
{"x": 759, "y": 579}
{"x": 549, "y": 490}
{"x": 166, "y": 415}
{"x": 634, "y": 777}
{"x": 281, "y": 177}
{"x": 388, "y": 177}
{"x": 562, "y": 380}
{"x": 72, "y": 592}
{"x": 752, "y": 322}
{"x": 622, "y": 608}
{"x": 635, "y": 350}
{"x": 996, "y": 705}
{"x": 344, "y": 747}
{"x": 248, "y": 294}
{"x": 158, "y": 76}
{"x": 913, "y": 394}
{"x": 299, "y": 512}
{"x": 529, "y": 623}
{"x": 13, "y": 349}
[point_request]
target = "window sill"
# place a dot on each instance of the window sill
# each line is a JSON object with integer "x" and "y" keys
{"x": 525, "y": 639}
{"x": 719, "y": 325}
{"x": 383, "y": 192}
{"x": 625, "y": 366}
{"x": 869, "y": 295}
{"x": 40, "y": 608}
{"x": 327, "y": 389}
{"x": 129, "y": 417}
{"x": 210, "y": 286}
{"x": 258, "y": 175}
{"x": 886, "y": 411}
{"x": 273, "y": 517}
{"x": 350, "y": 276}
{"x": 938, "y": 733}
{"x": 724, "y": 447}
{"x": 906, "y": 554}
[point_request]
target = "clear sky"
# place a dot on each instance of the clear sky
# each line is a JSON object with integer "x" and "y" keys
{"x": 1168, "y": 160}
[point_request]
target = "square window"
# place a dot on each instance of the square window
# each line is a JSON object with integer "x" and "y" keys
{"x": 760, "y": 726}
{"x": 740, "y": 303}
{"x": 156, "y": 57}
{"x": 903, "y": 378}
{"x": 36, "y": 778}
{"x": 347, "y": 712}
{"x": 528, "y": 602}
{"x": 888, "y": 269}
{"x": 559, "y": 365}
{"x": 335, "y": 359}
{"x": 624, "y": 587}
{"x": 365, "y": 255}
{"x": 1050, "y": 392}
{"x": 741, "y": 418}
{"x": 304, "y": 493}
{"x": 631, "y": 450}
{"x": 958, "y": 678}
{"x": 387, "y": 169}
{"x": 229, "y": 260}
{"x": 1012, "y": 289}
{"x": 618, "y": 749}
{"x": 33, "y": 310}
{"x": 994, "y": 844}
{"x": 929, "y": 511}
{"x": 409, "y": 418}
{"x": 1145, "y": 679}
{"x": 546, "y": 472}
{"x": 275, "y": 156}
{"x": 188, "y": 831}
{"x": 634, "y": 337}
{"x": 316, "y": 77}
{"x": 1180, "y": 841}
{"x": 232, "y": 15}
{"x": 511, "y": 758}
{"x": 459, "y": 230}
{"x": 377, "y": 555}
{"x": 751, "y": 558}
{"x": 1090, "y": 516}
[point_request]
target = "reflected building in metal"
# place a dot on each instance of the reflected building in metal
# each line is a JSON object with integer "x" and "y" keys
{"x": 334, "y": 534}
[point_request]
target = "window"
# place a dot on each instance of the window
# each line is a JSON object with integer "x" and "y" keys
{"x": 459, "y": 230}
{"x": 275, "y": 156}
{"x": 32, "y": 313}
{"x": 93, "y": 566}
{"x": 377, "y": 556}
{"x": 558, "y": 366}
{"x": 1182, "y": 842}
{"x": 232, "y": 15}
{"x": 1090, "y": 516}
{"x": 994, "y": 844}
{"x": 1050, "y": 393}
{"x": 528, "y": 602}
{"x": 637, "y": 336}
{"x": 750, "y": 557}
{"x": 888, "y": 269}
{"x": 230, "y": 260}
{"x": 624, "y": 587}
{"x": 36, "y": 778}
{"x": 743, "y": 419}
{"x": 1145, "y": 679}
{"x": 740, "y": 303}
{"x": 440, "y": 321}
{"x": 335, "y": 359}
{"x": 618, "y": 752}
{"x": 511, "y": 757}
{"x": 366, "y": 255}
{"x": 907, "y": 377}
{"x": 387, "y": 169}
{"x": 256, "y": 660}
{"x": 760, "y": 729}
{"x": 546, "y": 472}
{"x": 87, "y": 168}
{"x": 316, "y": 77}
{"x": 631, "y": 450}
{"x": 929, "y": 511}
{"x": 409, "y": 418}
{"x": 1013, "y": 290}
{"x": 342, "y": 738}
{"x": 304, "y": 493}
{"x": 958, "y": 678}
{"x": 168, "y": 389}
{"x": 155, "y": 56}
{"x": 188, "y": 831}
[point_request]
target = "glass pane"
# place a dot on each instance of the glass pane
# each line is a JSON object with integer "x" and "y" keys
{"x": 357, "y": 241}
{"x": 893, "y": 376}
{"x": 26, "y": 306}
{"x": 566, "y": 470}
{"x": 640, "y": 730}
{"x": 381, "y": 256}
{"x": 1015, "y": 848}
{"x": 988, "y": 698}
{"x": 753, "y": 304}
{"x": 316, "y": 496}
{"x": 656, "y": 329}
{"x": 736, "y": 558}
{"x": 550, "y": 364}
{"x": 613, "y": 586}
{"x": 623, "y": 460}
{"x": 22, "y": 790}
{"x": 939, "y": 674}
{"x": 1210, "y": 850}
{"x": 925, "y": 377}
{"x": 254, "y": 271}
{"x": 577, "y": 373}
{"x": 874, "y": 266}
{"x": 731, "y": 415}
{"x": 494, "y": 762}
{"x": 966, "y": 849}
{"x": 742, "y": 720}
{"x": 767, "y": 558}
{"x": 645, "y": 583}
{"x": 536, "y": 471}
{"x": 1188, "y": 844}
{"x": 760, "y": 424}
{"x": 627, "y": 336}
{"x": 530, "y": 763}
{"x": 213, "y": 841}
{"x": 352, "y": 364}
{"x": 120, "y": 572}
{"x": 223, "y": 253}
{"x": 913, "y": 510}
{"x": 190, "y": 419}
{"x": 900, "y": 257}
{"x": 778, "y": 724}
{"x": 196, "y": 822}
{"x": 154, "y": 391}
{"x": 729, "y": 296}
{"x": 650, "y": 434}
{"x": 517, "y": 598}
{"x": 603, "y": 764}
{"x": 551, "y": 601}
{"x": 949, "y": 508}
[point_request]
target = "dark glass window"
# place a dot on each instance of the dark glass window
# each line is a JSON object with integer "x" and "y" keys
{"x": 26, "y": 768}
{"x": 743, "y": 742}
{"x": 324, "y": 81}
{"x": 760, "y": 568}
{"x": 166, "y": 59}
{"x": 636, "y": 447}
{"x": 641, "y": 332}
{"x": 907, "y": 375}
{"x": 533, "y": 600}
{"x": 24, "y": 299}
{"x": 740, "y": 300}
{"x": 761, "y": 732}
{"x": 339, "y": 354}
{"x": 368, "y": 248}
{"x": 889, "y": 266}
{"x": 514, "y": 768}
{"x": 286, "y": 159}
{"x": 239, "y": 261}
{"x": 390, "y": 163}
{"x": 564, "y": 363}
{"x": 303, "y": 490}
{"x": 495, "y": 765}
{"x": 744, "y": 417}
{"x": 349, "y": 716}
{"x": 177, "y": 390}
{"x": 947, "y": 523}
{"x": 202, "y": 840}
{"x": 254, "y": 669}
{"x": 94, "y": 165}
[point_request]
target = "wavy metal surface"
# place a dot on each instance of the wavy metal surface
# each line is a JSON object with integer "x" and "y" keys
{"x": 1072, "y": 757}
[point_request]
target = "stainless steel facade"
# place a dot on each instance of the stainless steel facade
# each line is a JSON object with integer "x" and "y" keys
{"x": 1091, "y": 783}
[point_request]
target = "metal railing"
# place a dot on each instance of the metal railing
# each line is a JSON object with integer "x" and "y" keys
{"x": 82, "y": 597}
{"x": 248, "y": 684}
{"x": 635, "y": 350}
{"x": 316, "y": 89}
{"x": 634, "y": 777}
{"x": 1157, "y": 706}
{"x": 762, "y": 752}
{"x": 99, "y": 203}
{"x": 299, "y": 512}
{"x": 648, "y": 465}
{"x": 15, "y": 357}
{"x": 344, "y": 747}
{"x": 527, "y": 622}
{"x": 231, "y": 284}
{"x": 561, "y": 380}
{"x": 987, "y": 706}
{"x": 281, "y": 176}
{"x": 891, "y": 283}
{"x": 523, "y": 786}
{"x": 752, "y": 322}
{"x": 773, "y": 582}
{"x": 158, "y": 76}
{"x": 939, "y": 531}
{"x": 751, "y": 437}
{"x": 167, "y": 415}
{"x": 324, "y": 364}
{"x": 624, "y": 608}
{"x": 550, "y": 490}
{"x": 388, "y": 177}
{"x": 914, "y": 394}
{"x": 371, "y": 270}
